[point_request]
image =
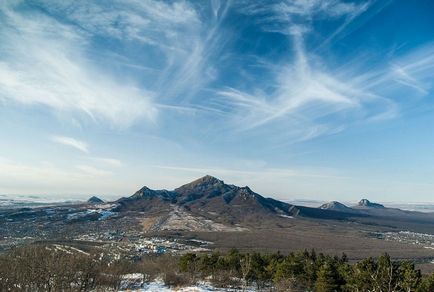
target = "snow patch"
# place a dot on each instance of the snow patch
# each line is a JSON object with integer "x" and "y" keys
{"x": 158, "y": 286}
{"x": 287, "y": 216}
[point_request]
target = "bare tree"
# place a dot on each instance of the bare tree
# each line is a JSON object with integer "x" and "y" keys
{"x": 246, "y": 267}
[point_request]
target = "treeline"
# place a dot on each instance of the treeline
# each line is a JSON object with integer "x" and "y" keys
{"x": 58, "y": 268}
{"x": 306, "y": 271}
{"x": 51, "y": 267}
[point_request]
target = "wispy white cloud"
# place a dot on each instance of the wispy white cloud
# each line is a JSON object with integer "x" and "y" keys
{"x": 16, "y": 176}
{"x": 43, "y": 62}
{"x": 305, "y": 92}
{"x": 153, "y": 22}
{"x": 305, "y": 98}
{"x": 291, "y": 16}
{"x": 93, "y": 171}
{"x": 108, "y": 161}
{"x": 49, "y": 60}
{"x": 288, "y": 10}
{"x": 412, "y": 70}
{"x": 71, "y": 142}
{"x": 191, "y": 69}
{"x": 180, "y": 46}
{"x": 259, "y": 172}
{"x": 402, "y": 76}
{"x": 84, "y": 147}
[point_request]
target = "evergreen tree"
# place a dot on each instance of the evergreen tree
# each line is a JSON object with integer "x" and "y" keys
{"x": 409, "y": 277}
{"x": 385, "y": 277}
{"x": 327, "y": 280}
{"x": 427, "y": 285}
{"x": 187, "y": 263}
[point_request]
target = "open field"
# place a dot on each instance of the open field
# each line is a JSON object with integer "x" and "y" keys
{"x": 329, "y": 237}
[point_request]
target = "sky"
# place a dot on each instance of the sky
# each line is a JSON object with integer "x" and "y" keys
{"x": 298, "y": 99}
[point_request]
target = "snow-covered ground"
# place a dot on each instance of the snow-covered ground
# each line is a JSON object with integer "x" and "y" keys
{"x": 159, "y": 287}
{"x": 287, "y": 216}
{"x": 134, "y": 282}
{"x": 104, "y": 214}
{"x": 180, "y": 219}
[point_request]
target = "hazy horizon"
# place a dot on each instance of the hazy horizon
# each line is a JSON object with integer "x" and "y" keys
{"x": 325, "y": 100}
{"x": 19, "y": 201}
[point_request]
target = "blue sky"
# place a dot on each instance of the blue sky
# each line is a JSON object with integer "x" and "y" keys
{"x": 297, "y": 99}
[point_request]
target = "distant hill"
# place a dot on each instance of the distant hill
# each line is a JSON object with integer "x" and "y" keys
{"x": 95, "y": 200}
{"x": 365, "y": 203}
{"x": 336, "y": 206}
{"x": 377, "y": 214}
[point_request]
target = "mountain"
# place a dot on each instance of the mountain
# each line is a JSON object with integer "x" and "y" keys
{"x": 209, "y": 198}
{"x": 209, "y": 204}
{"x": 213, "y": 194}
{"x": 365, "y": 203}
{"x": 95, "y": 200}
{"x": 336, "y": 206}
{"x": 147, "y": 200}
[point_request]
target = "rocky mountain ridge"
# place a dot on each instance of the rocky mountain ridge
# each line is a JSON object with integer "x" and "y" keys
{"x": 209, "y": 204}
{"x": 210, "y": 198}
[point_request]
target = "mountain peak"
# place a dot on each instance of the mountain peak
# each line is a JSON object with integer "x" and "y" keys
{"x": 333, "y": 205}
{"x": 368, "y": 204}
{"x": 205, "y": 181}
{"x": 209, "y": 179}
{"x": 144, "y": 189}
{"x": 143, "y": 192}
{"x": 95, "y": 200}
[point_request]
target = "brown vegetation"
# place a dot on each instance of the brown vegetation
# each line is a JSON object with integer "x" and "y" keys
{"x": 44, "y": 268}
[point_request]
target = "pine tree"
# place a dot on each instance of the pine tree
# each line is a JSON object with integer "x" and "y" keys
{"x": 327, "y": 280}
{"x": 410, "y": 277}
{"x": 427, "y": 284}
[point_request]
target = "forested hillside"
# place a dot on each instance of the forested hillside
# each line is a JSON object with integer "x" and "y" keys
{"x": 52, "y": 268}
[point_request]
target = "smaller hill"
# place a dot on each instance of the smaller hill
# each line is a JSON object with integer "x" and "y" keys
{"x": 365, "y": 203}
{"x": 335, "y": 206}
{"x": 95, "y": 200}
